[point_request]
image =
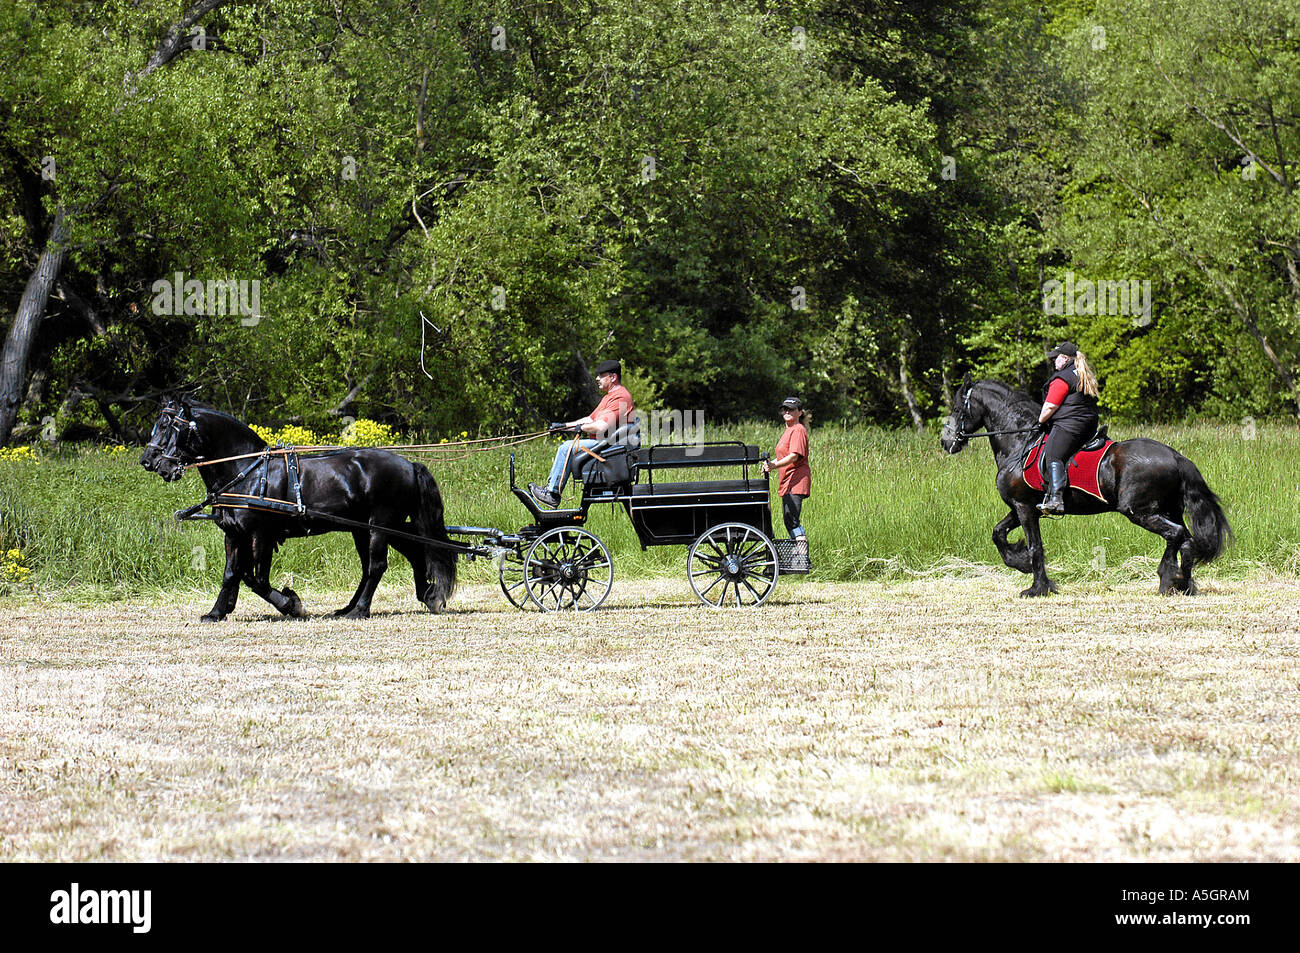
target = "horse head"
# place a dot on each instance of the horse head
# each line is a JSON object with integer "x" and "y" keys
{"x": 964, "y": 420}
{"x": 172, "y": 441}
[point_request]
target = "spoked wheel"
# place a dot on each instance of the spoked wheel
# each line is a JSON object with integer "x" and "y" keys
{"x": 510, "y": 571}
{"x": 733, "y": 564}
{"x": 568, "y": 568}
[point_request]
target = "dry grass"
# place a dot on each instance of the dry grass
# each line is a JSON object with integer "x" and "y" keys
{"x": 938, "y": 719}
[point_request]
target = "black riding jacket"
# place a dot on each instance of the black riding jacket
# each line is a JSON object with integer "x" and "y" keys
{"x": 1079, "y": 411}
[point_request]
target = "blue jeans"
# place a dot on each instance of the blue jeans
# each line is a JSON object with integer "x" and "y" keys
{"x": 568, "y": 459}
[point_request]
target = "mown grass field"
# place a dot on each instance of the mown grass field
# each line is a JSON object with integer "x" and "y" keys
{"x": 886, "y": 505}
{"x": 923, "y": 720}
{"x": 900, "y": 704}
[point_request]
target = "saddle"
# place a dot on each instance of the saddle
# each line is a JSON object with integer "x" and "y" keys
{"x": 1082, "y": 468}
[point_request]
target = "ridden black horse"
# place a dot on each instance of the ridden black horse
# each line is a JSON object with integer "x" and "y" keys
{"x": 1144, "y": 480}
{"x": 362, "y": 485}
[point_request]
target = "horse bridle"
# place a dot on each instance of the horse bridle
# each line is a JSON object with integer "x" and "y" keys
{"x": 963, "y": 436}
{"x": 181, "y": 427}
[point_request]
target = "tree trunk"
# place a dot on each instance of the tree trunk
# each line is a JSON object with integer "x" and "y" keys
{"x": 1252, "y": 326}
{"x": 31, "y": 309}
{"x": 912, "y": 408}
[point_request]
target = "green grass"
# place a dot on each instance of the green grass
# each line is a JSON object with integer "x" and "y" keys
{"x": 885, "y": 504}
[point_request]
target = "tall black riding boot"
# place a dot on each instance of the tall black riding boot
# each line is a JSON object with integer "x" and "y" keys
{"x": 1057, "y": 480}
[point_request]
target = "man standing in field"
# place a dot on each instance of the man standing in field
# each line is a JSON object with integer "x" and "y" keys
{"x": 614, "y": 411}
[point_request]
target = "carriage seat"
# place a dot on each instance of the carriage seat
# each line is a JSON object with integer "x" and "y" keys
{"x": 618, "y": 449}
{"x": 628, "y": 435}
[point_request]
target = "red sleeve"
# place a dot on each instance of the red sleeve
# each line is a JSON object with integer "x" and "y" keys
{"x": 799, "y": 442}
{"x": 1057, "y": 393}
{"x": 615, "y": 408}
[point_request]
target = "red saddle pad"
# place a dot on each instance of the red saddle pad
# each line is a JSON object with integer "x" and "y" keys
{"x": 1082, "y": 468}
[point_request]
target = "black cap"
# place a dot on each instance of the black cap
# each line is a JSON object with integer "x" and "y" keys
{"x": 609, "y": 367}
{"x": 1065, "y": 347}
{"x": 794, "y": 403}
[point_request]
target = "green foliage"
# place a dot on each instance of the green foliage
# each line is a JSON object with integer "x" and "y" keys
{"x": 1138, "y": 174}
{"x": 454, "y": 210}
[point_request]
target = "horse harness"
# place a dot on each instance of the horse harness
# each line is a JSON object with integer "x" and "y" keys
{"x": 222, "y": 498}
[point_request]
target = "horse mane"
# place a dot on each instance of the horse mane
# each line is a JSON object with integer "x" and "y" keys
{"x": 1009, "y": 394}
{"x": 1015, "y": 401}
{"x": 231, "y": 420}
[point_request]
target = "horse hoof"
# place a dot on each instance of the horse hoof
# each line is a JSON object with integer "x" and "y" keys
{"x": 353, "y": 613}
{"x": 211, "y": 617}
{"x": 295, "y": 607}
{"x": 1035, "y": 591}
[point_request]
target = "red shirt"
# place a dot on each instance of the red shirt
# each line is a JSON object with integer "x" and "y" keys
{"x": 1057, "y": 393}
{"x": 797, "y": 477}
{"x": 615, "y": 409}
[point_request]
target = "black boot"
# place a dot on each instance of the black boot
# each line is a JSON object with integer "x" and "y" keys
{"x": 1056, "y": 482}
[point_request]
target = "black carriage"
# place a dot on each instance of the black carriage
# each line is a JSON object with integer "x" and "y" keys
{"x": 557, "y": 563}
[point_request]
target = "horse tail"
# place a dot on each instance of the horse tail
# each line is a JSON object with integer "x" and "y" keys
{"x": 440, "y": 561}
{"x": 1210, "y": 529}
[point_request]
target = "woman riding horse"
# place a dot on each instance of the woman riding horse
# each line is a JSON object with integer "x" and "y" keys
{"x": 1070, "y": 403}
{"x": 1150, "y": 484}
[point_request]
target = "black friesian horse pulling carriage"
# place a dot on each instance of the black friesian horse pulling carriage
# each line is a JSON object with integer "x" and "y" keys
{"x": 261, "y": 496}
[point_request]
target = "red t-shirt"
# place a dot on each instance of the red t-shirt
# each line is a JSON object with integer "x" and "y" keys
{"x": 1057, "y": 392}
{"x": 797, "y": 477}
{"x": 615, "y": 408}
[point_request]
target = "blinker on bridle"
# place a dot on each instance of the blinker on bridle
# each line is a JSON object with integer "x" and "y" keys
{"x": 180, "y": 426}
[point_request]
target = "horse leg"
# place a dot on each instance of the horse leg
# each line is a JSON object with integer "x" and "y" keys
{"x": 414, "y": 553}
{"x": 376, "y": 566}
{"x": 258, "y": 579}
{"x": 1177, "y": 539}
{"x": 229, "y": 591}
{"x": 362, "y": 542}
{"x": 1187, "y": 558}
{"x": 1037, "y": 559}
{"x": 1015, "y": 555}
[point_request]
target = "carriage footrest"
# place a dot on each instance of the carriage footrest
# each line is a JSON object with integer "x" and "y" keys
{"x": 791, "y": 557}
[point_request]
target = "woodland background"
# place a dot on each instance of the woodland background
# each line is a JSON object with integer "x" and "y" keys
{"x": 854, "y": 201}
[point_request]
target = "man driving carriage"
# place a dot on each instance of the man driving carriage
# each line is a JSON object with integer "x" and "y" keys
{"x": 612, "y": 413}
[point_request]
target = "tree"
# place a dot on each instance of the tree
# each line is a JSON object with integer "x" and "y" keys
{"x": 1185, "y": 175}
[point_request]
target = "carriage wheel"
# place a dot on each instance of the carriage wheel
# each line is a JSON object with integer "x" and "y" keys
{"x": 510, "y": 571}
{"x": 568, "y": 568}
{"x": 733, "y": 564}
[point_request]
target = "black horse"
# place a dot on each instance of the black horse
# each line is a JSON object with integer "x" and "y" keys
{"x": 366, "y": 486}
{"x": 1149, "y": 483}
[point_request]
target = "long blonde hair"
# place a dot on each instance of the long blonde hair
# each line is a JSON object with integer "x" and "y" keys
{"x": 1087, "y": 379}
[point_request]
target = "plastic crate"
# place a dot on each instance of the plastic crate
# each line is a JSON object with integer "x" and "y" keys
{"x": 791, "y": 558}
